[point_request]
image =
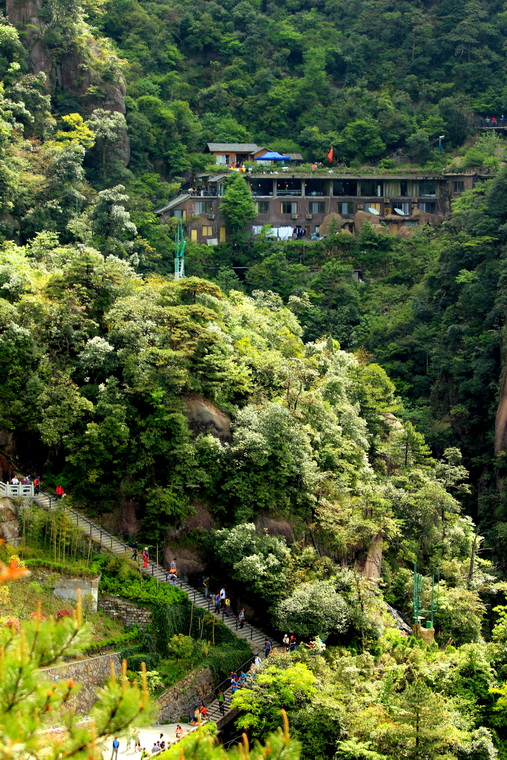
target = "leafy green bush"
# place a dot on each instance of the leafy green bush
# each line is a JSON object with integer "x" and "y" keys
{"x": 458, "y": 619}
{"x": 74, "y": 569}
{"x": 113, "y": 641}
{"x": 181, "y": 647}
{"x": 145, "y": 591}
{"x": 313, "y": 609}
{"x": 227, "y": 657}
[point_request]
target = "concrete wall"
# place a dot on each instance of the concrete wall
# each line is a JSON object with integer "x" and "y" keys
{"x": 177, "y": 702}
{"x": 91, "y": 673}
{"x": 67, "y": 588}
{"x": 130, "y": 614}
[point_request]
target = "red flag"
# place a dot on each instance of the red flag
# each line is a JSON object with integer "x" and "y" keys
{"x": 330, "y": 156}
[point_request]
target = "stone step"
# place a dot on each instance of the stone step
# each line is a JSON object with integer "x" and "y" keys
{"x": 255, "y": 637}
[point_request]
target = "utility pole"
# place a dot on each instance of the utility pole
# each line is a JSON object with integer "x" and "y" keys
{"x": 179, "y": 253}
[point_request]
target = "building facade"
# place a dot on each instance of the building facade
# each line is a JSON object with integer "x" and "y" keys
{"x": 311, "y": 202}
{"x": 235, "y": 154}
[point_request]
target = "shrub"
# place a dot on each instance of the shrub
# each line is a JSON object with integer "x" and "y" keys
{"x": 458, "y": 619}
{"x": 114, "y": 641}
{"x": 74, "y": 569}
{"x": 313, "y": 609}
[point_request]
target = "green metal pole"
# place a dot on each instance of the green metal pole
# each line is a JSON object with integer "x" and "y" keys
{"x": 416, "y": 601}
{"x": 432, "y": 596}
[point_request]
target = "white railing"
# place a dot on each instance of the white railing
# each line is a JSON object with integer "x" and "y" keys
{"x": 9, "y": 489}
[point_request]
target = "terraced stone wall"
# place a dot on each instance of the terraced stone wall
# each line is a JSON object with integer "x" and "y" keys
{"x": 177, "y": 702}
{"x": 91, "y": 673}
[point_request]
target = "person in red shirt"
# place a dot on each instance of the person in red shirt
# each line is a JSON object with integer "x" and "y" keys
{"x": 60, "y": 491}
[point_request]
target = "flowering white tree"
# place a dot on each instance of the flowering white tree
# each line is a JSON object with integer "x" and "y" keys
{"x": 313, "y": 609}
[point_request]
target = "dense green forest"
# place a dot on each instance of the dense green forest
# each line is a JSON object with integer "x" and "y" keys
{"x": 353, "y": 420}
{"x": 367, "y": 77}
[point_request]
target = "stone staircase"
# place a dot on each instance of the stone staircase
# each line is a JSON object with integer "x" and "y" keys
{"x": 254, "y": 636}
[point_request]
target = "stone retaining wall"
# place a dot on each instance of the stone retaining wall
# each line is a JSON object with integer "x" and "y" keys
{"x": 177, "y": 702}
{"x": 129, "y": 613}
{"x": 91, "y": 673}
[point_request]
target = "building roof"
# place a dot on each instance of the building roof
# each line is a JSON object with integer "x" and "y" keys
{"x": 234, "y": 147}
{"x": 295, "y": 156}
{"x": 174, "y": 202}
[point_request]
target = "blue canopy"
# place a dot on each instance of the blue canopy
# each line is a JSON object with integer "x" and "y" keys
{"x": 272, "y": 156}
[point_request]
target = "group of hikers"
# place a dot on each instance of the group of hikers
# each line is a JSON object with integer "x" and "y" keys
{"x": 27, "y": 481}
{"x": 492, "y": 121}
{"x": 220, "y": 599}
{"x": 172, "y": 573}
{"x": 222, "y": 603}
{"x": 133, "y": 738}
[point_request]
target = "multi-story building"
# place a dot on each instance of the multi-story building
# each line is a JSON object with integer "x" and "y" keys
{"x": 310, "y": 202}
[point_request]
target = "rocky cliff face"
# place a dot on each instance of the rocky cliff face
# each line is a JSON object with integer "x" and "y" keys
{"x": 73, "y": 61}
{"x": 25, "y": 17}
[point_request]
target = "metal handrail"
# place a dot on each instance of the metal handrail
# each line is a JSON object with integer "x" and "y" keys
{"x": 206, "y": 699}
{"x": 76, "y": 517}
{"x": 235, "y": 740}
{"x": 190, "y": 591}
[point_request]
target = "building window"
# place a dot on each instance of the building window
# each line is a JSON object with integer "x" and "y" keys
{"x": 193, "y": 236}
{"x": 429, "y": 206}
{"x": 372, "y": 187}
{"x": 261, "y": 186}
{"x": 222, "y": 234}
{"x": 427, "y": 188}
{"x": 373, "y": 208}
{"x": 316, "y": 187}
{"x": 207, "y": 230}
{"x": 343, "y": 187}
{"x": 458, "y": 186}
{"x": 289, "y": 208}
{"x": 178, "y": 213}
{"x": 202, "y": 207}
{"x": 262, "y": 207}
{"x": 404, "y": 188}
{"x": 345, "y": 207}
{"x": 288, "y": 186}
{"x": 317, "y": 207}
{"x": 402, "y": 206}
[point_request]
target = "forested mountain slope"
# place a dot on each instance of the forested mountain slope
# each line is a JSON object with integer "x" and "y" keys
{"x": 368, "y": 77}
{"x": 288, "y": 427}
{"x": 99, "y": 366}
{"x": 365, "y": 77}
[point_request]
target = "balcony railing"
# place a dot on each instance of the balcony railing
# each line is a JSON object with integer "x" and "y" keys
{"x": 10, "y": 489}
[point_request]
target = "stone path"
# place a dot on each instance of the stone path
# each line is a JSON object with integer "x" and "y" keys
{"x": 253, "y": 635}
{"x": 148, "y": 737}
{"x": 114, "y": 545}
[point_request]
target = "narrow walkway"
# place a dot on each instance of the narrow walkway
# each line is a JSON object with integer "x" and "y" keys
{"x": 253, "y": 635}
